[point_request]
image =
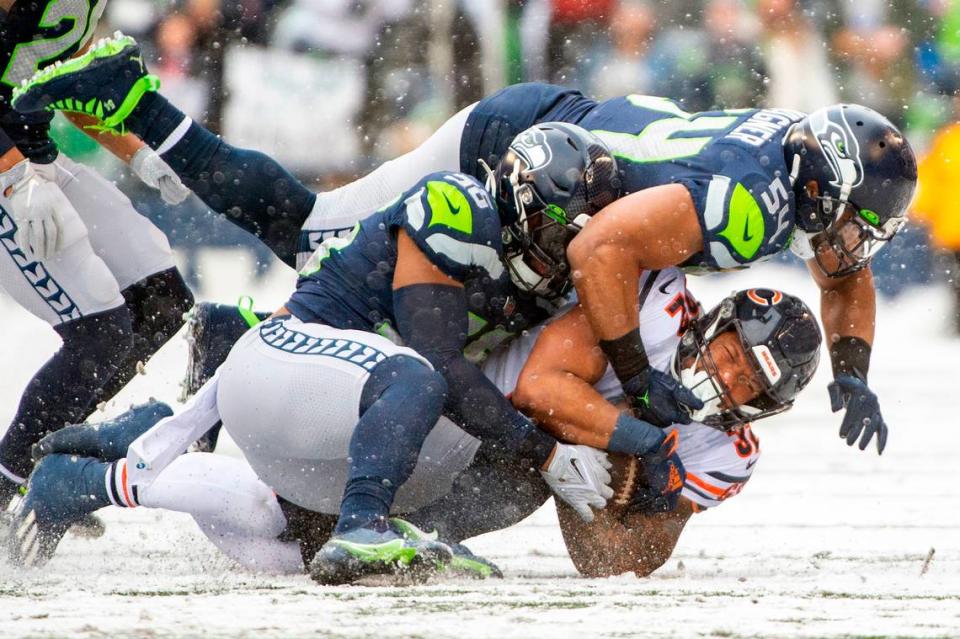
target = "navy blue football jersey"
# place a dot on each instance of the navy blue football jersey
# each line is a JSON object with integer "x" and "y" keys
{"x": 732, "y": 163}
{"x": 348, "y": 281}
{"x": 33, "y": 34}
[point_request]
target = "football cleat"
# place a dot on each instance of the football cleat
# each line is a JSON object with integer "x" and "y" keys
{"x": 106, "y": 82}
{"x": 212, "y": 330}
{"x": 107, "y": 440}
{"x": 62, "y": 491}
{"x": 464, "y": 562}
{"x": 367, "y": 551}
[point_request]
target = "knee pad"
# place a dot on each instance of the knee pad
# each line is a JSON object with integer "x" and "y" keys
{"x": 157, "y": 305}
{"x": 425, "y": 386}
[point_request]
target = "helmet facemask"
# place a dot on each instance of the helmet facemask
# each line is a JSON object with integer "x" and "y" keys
{"x": 748, "y": 357}
{"x": 535, "y": 245}
{"x": 695, "y": 366}
{"x": 851, "y": 238}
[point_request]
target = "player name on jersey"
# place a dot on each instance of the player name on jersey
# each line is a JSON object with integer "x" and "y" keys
{"x": 763, "y": 125}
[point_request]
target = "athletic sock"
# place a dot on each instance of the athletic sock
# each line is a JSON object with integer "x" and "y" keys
{"x": 400, "y": 404}
{"x": 116, "y": 490}
{"x": 155, "y": 119}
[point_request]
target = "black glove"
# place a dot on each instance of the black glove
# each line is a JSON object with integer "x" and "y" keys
{"x": 665, "y": 476}
{"x": 863, "y": 411}
{"x": 660, "y": 399}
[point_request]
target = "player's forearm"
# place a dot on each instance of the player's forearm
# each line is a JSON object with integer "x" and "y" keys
{"x": 848, "y": 311}
{"x": 607, "y": 288}
{"x": 567, "y": 407}
{"x": 432, "y": 320}
{"x": 850, "y": 308}
{"x": 122, "y": 146}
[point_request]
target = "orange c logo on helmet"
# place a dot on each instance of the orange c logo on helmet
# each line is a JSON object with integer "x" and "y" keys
{"x": 764, "y": 296}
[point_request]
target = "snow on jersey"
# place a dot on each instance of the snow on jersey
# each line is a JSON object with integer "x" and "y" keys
{"x": 731, "y": 162}
{"x": 718, "y": 464}
{"x": 33, "y": 34}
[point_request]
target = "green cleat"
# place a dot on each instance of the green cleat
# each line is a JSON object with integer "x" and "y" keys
{"x": 365, "y": 551}
{"x": 464, "y": 562}
{"x": 106, "y": 82}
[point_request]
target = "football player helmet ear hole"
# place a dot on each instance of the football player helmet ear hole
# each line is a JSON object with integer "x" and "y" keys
{"x": 779, "y": 350}
{"x": 551, "y": 180}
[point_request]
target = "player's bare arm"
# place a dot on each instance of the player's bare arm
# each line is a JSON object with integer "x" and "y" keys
{"x": 651, "y": 229}
{"x": 556, "y": 383}
{"x": 848, "y": 305}
{"x": 9, "y": 159}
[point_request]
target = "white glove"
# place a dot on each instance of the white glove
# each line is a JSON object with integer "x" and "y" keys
{"x": 39, "y": 209}
{"x": 157, "y": 174}
{"x": 578, "y": 475}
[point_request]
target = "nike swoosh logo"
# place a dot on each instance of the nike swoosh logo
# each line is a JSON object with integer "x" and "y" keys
{"x": 573, "y": 462}
{"x": 454, "y": 210}
{"x": 663, "y": 287}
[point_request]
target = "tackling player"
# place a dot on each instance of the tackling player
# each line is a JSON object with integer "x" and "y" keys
{"x": 705, "y": 191}
{"x": 74, "y": 251}
{"x": 748, "y": 358}
{"x": 414, "y": 270}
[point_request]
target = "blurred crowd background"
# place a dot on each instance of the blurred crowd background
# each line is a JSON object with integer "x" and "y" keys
{"x": 334, "y": 87}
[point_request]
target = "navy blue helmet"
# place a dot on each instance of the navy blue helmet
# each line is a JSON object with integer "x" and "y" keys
{"x": 552, "y": 179}
{"x": 781, "y": 339}
{"x": 853, "y": 175}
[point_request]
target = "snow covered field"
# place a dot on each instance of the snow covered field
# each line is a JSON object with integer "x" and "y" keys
{"x": 824, "y": 541}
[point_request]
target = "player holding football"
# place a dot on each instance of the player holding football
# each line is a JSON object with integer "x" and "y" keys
{"x": 74, "y": 253}
{"x": 705, "y": 191}
{"x": 748, "y": 358}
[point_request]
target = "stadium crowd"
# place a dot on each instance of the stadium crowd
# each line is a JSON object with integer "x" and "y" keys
{"x": 387, "y": 72}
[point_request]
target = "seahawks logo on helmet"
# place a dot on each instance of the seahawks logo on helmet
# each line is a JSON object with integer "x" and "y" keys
{"x": 532, "y": 147}
{"x": 840, "y": 148}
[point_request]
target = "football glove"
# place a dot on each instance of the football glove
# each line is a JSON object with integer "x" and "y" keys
{"x": 578, "y": 475}
{"x": 660, "y": 399}
{"x": 862, "y": 411}
{"x": 39, "y": 209}
{"x": 157, "y": 174}
{"x": 665, "y": 476}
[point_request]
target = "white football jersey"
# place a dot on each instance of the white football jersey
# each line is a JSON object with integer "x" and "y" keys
{"x": 718, "y": 464}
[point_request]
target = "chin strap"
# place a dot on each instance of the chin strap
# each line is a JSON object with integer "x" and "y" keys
{"x": 490, "y": 181}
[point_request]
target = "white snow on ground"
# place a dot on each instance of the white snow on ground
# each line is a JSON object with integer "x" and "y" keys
{"x": 824, "y": 541}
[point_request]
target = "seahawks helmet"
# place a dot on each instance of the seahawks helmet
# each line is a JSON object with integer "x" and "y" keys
{"x": 853, "y": 175}
{"x": 781, "y": 339}
{"x": 552, "y": 179}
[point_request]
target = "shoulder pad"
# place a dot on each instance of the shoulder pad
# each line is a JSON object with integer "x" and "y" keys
{"x": 454, "y": 221}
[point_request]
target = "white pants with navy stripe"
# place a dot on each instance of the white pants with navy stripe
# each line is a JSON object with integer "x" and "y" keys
{"x": 289, "y": 395}
{"x": 106, "y": 247}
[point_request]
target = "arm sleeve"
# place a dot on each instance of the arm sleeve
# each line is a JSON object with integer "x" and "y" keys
{"x": 432, "y": 319}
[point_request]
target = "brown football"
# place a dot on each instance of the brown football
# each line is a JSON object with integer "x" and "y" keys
{"x": 626, "y": 475}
